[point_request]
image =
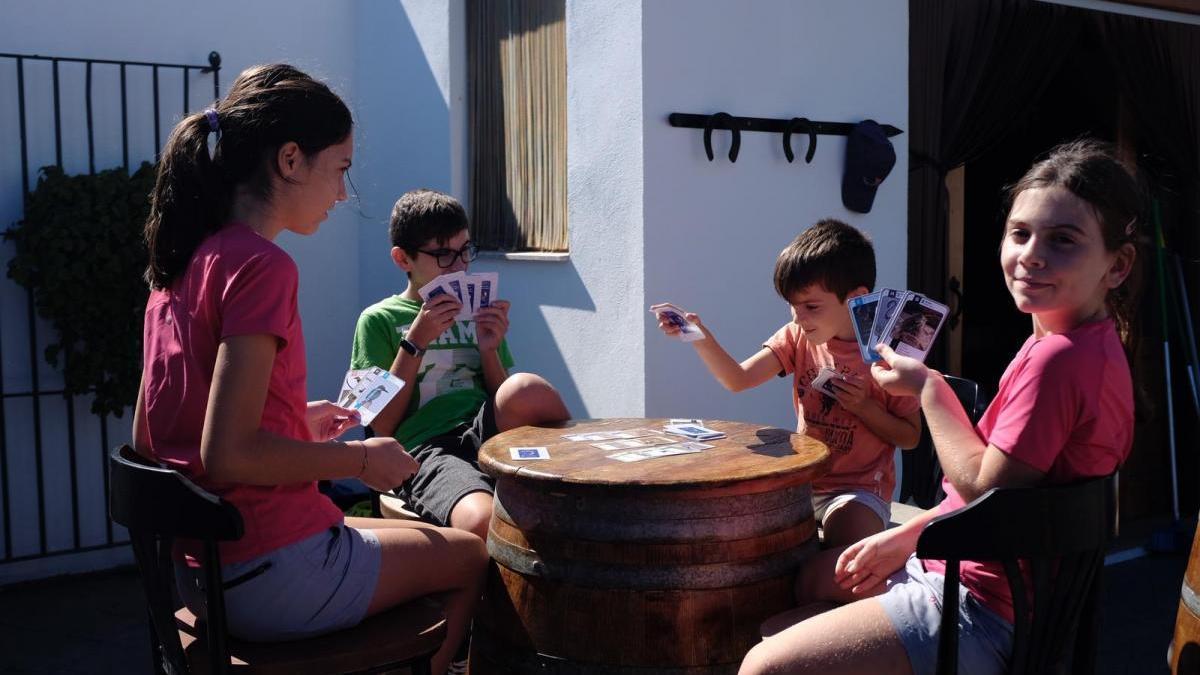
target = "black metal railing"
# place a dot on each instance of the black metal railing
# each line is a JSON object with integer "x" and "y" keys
{"x": 35, "y": 393}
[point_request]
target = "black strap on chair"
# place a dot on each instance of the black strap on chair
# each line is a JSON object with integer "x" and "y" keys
{"x": 180, "y": 509}
{"x": 1056, "y": 535}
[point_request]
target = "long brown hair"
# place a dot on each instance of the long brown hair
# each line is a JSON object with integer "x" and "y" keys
{"x": 1091, "y": 171}
{"x": 266, "y": 107}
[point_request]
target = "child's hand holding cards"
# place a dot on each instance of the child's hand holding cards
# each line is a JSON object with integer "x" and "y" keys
{"x": 907, "y": 322}
{"x": 674, "y": 322}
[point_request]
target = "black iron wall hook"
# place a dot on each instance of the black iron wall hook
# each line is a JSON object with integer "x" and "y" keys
{"x": 799, "y": 124}
{"x": 786, "y": 127}
{"x": 725, "y": 120}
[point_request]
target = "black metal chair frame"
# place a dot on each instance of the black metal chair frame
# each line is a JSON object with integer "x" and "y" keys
{"x": 1059, "y": 535}
{"x": 158, "y": 505}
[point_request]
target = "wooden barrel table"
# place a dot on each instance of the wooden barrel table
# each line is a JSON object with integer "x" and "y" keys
{"x": 666, "y": 565}
{"x": 1185, "y": 647}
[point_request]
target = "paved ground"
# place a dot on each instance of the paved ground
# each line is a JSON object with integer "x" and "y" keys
{"x": 97, "y": 623}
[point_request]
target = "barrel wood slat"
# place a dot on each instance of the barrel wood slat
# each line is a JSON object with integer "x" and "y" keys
{"x": 667, "y": 565}
{"x": 1185, "y": 647}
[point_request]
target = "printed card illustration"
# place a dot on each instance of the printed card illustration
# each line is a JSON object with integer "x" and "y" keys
{"x": 486, "y": 285}
{"x": 688, "y": 331}
{"x": 823, "y": 382}
{"x": 433, "y": 289}
{"x": 890, "y": 300}
{"x": 630, "y": 443}
{"x": 529, "y": 453}
{"x": 862, "y": 315}
{"x": 912, "y": 330}
{"x": 368, "y": 391}
{"x": 694, "y": 431}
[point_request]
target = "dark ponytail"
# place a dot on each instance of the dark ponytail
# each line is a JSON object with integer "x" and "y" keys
{"x": 266, "y": 107}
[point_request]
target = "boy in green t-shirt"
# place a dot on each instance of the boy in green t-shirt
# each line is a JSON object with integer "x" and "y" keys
{"x": 458, "y": 392}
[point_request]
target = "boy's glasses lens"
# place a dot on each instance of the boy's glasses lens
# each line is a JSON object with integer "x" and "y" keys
{"x": 446, "y": 257}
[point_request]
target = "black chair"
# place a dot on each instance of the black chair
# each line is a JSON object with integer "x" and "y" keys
{"x": 1059, "y": 534}
{"x": 921, "y": 474}
{"x": 158, "y": 505}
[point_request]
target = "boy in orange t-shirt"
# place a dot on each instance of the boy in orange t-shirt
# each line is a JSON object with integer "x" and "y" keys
{"x": 817, "y": 274}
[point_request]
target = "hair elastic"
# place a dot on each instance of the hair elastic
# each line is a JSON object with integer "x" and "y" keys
{"x": 1129, "y": 227}
{"x": 214, "y": 124}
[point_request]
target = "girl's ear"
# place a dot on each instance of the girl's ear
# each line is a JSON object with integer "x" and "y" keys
{"x": 1121, "y": 265}
{"x": 287, "y": 159}
{"x": 401, "y": 259}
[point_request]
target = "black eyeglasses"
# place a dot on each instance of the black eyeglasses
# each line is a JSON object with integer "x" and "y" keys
{"x": 447, "y": 256}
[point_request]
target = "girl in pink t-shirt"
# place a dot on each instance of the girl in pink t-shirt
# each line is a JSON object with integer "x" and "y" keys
{"x": 1063, "y": 412}
{"x": 223, "y": 396}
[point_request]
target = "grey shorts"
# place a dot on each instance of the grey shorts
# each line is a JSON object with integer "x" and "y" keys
{"x": 318, "y": 585}
{"x": 827, "y": 502}
{"x": 913, "y": 603}
{"x": 449, "y": 468}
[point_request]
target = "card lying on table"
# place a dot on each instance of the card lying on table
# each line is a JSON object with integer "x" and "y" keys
{"x": 660, "y": 451}
{"x": 529, "y": 453}
{"x": 695, "y": 432}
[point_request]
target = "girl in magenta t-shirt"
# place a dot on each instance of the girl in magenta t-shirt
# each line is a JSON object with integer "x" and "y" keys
{"x": 1063, "y": 412}
{"x": 223, "y": 395}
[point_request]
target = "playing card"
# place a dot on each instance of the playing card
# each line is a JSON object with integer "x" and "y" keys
{"x": 913, "y": 328}
{"x": 433, "y": 289}
{"x": 660, "y": 451}
{"x": 688, "y": 331}
{"x": 471, "y": 287}
{"x": 630, "y": 443}
{"x": 823, "y": 381}
{"x": 487, "y": 286}
{"x": 368, "y": 391}
{"x": 862, "y": 315}
{"x": 529, "y": 453}
{"x": 694, "y": 431}
{"x": 680, "y": 420}
{"x": 890, "y": 300}
{"x": 610, "y": 435}
{"x": 456, "y": 282}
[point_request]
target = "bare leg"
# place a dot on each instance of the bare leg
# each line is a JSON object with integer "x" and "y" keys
{"x": 524, "y": 399}
{"x": 420, "y": 559}
{"x": 815, "y": 582}
{"x": 784, "y": 620}
{"x": 473, "y": 513}
{"x": 855, "y": 638}
{"x": 850, "y": 523}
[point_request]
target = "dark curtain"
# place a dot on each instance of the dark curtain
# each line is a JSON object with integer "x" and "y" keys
{"x": 1158, "y": 70}
{"x": 973, "y": 69}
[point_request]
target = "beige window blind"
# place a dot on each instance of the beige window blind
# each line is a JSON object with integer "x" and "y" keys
{"x": 517, "y": 79}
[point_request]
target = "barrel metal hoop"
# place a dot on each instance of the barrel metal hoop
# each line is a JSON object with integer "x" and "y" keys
{"x": 1189, "y": 598}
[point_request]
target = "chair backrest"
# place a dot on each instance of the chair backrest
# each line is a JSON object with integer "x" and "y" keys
{"x": 157, "y": 505}
{"x": 1059, "y": 536}
{"x": 921, "y": 474}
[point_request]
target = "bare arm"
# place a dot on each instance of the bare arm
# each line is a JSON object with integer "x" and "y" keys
{"x": 234, "y": 449}
{"x": 972, "y": 466}
{"x": 141, "y": 432}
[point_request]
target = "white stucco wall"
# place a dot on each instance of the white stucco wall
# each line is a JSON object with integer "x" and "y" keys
{"x": 712, "y": 230}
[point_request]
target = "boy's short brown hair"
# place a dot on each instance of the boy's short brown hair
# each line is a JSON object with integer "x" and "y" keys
{"x": 830, "y": 253}
{"x": 424, "y": 214}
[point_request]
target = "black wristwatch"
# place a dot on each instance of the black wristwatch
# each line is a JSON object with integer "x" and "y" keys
{"x": 411, "y": 348}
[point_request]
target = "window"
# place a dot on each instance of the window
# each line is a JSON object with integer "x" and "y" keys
{"x": 517, "y": 120}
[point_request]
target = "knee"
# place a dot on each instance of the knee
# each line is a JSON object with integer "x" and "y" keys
{"x": 525, "y": 398}
{"x": 473, "y": 514}
{"x": 758, "y": 661}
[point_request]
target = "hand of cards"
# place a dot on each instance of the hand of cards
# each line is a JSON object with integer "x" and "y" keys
{"x": 368, "y": 391}
{"x": 474, "y": 291}
{"x": 906, "y": 321}
{"x": 688, "y": 331}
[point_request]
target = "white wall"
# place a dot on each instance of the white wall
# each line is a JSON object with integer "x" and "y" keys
{"x": 713, "y": 229}
{"x": 315, "y": 35}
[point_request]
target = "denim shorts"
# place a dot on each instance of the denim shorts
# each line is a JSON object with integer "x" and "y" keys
{"x": 827, "y": 502}
{"x": 318, "y": 585}
{"x": 913, "y": 603}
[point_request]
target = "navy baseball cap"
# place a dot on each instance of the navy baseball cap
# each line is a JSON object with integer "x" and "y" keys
{"x": 869, "y": 159}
